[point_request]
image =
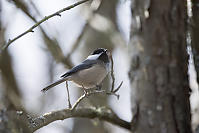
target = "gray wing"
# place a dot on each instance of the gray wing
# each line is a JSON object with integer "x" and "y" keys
{"x": 84, "y": 65}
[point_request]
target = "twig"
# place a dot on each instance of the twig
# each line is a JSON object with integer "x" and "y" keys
{"x": 112, "y": 73}
{"x": 101, "y": 113}
{"x": 118, "y": 87}
{"x": 114, "y": 91}
{"x": 58, "y": 13}
{"x": 69, "y": 103}
{"x": 84, "y": 96}
{"x": 78, "y": 101}
{"x": 95, "y": 92}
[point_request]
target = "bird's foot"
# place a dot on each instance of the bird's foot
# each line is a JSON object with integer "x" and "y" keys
{"x": 86, "y": 93}
{"x": 98, "y": 87}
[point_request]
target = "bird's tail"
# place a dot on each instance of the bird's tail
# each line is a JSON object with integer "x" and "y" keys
{"x": 53, "y": 84}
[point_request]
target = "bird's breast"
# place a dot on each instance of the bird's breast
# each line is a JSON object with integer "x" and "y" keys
{"x": 89, "y": 78}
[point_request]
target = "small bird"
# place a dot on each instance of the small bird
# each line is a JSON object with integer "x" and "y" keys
{"x": 89, "y": 73}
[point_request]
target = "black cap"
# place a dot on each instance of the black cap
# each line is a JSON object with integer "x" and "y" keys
{"x": 99, "y": 50}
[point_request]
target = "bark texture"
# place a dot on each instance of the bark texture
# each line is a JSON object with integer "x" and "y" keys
{"x": 193, "y": 31}
{"x": 194, "y": 34}
{"x": 158, "y": 72}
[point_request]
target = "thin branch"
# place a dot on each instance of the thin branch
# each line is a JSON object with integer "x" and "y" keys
{"x": 84, "y": 96}
{"x": 101, "y": 113}
{"x": 58, "y": 13}
{"x": 78, "y": 101}
{"x": 69, "y": 103}
{"x": 95, "y": 92}
{"x": 113, "y": 90}
{"x": 112, "y": 73}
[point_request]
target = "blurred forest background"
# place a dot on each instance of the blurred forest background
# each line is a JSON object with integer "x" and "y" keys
{"x": 154, "y": 48}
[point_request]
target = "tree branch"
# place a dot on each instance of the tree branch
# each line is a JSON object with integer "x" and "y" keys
{"x": 84, "y": 96}
{"x": 101, "y": 113}
{"x": 68, "y": 94}
{"x": 112, "y": 73}
{"x": 58, "y": 13}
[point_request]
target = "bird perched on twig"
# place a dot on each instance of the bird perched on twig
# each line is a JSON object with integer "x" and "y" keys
{"x": 89, "y": 73}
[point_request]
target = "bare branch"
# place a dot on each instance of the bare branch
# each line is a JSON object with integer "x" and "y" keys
{"x": 113, "y": 90}
{"x": 84, "y": 96}
{"x": 118, "y": 87}
{"x": 41, "y": 21}
{"x": 112, "y": 74}
{"x": 101, "y": 113}
{"x": 78, "y": 101}
{"x": 69, "y": 103}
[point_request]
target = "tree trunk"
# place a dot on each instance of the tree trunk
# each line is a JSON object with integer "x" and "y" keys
{"x": 195, "y": 33}
{"x": 158, "y": 72}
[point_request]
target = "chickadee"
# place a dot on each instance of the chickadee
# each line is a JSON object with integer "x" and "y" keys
{"x": 89, "y": 73}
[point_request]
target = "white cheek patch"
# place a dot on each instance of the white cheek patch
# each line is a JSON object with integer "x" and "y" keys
{"x": 93, "y": 57}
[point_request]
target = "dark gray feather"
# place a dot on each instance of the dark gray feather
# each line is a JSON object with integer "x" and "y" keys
{"x": 84, "y": 65}
{"x": 53, "y": 84}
